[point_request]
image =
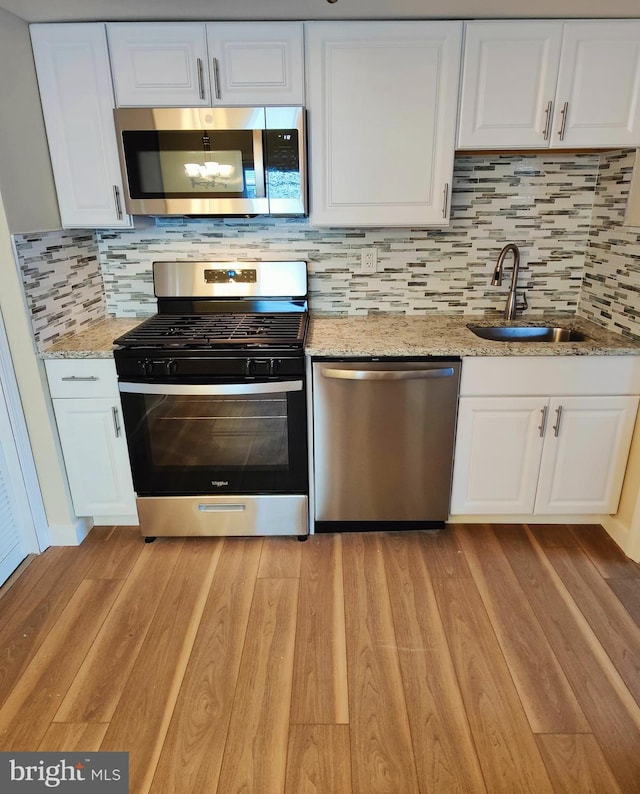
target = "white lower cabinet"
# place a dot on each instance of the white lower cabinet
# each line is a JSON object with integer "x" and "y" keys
{"x": 497, "y": 457}
{"x": 585, "y": 452}
{"x": 88, "y": 414}
{"x": 541, "y": 454}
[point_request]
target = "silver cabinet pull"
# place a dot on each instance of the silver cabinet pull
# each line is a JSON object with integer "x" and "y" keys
{"x": 116, "y": 421}
{"x": 216, "y": 78}
{"x": 547, "y": 121}
{"x": 543, "y": 421}
{"x": 116, "y": 196}
{"x": 385, "y": 374}
{"x": 563, "y": 125}
{"x": 445, "y": 199}
{"x": 556, "y": 427}
{"x": 80, "y": 377}
{"x": 200, "y": 78}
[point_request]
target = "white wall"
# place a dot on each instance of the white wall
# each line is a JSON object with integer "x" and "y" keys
{"x": 64, "y": 528}
{"x": 26, "y": 181}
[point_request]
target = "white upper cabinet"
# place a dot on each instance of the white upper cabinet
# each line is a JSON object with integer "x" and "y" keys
{"x": 509, "y": 77}
{"x": 187, "y": 64}
{"x": 257, "y": 63}
{"x": 72, "y": 64}
{"x": 537, "y": 84}
{"x": 159, "y": 63}
{"x": 382, "y": 101}
{"x": 598, "y": 96}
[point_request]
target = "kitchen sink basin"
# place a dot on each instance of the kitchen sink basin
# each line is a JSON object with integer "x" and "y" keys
{"x": 527, "y": 333}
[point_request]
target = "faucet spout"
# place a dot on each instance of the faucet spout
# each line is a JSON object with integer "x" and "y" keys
{"x": 496, "y": 280}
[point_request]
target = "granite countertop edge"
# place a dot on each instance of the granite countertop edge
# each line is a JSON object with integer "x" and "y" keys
{"x": 393, "y": 335}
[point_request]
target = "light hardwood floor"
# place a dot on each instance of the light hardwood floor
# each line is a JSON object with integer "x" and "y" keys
{"x": 481, "y": 658}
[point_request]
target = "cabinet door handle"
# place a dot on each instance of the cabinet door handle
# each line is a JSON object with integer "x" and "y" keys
{"x": 547, "y": 121}
{"x": 563, "y": 125}
{"x": 445, "y": 199}
{"x": 556, "y": 427}
{"x": 200, "y": 78}
{"x": 80, "y": 377}
{"x": 543, "y": 421}
{"x": 116, "y": 421}
{"x": 116, "y": 196}
{"x": 216, "y": 78}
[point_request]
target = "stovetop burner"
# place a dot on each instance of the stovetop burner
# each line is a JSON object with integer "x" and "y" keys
{"x": 217, "y": 330}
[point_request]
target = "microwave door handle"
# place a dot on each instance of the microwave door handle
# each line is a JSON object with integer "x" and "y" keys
{"x": 258, "y": 164}
{"x": 210, "y": 389}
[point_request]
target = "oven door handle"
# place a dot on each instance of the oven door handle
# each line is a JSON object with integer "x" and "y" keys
{"x": 210, "y": 389}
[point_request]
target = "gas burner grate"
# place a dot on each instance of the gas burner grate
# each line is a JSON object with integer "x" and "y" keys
{"x": 210, "y": 330}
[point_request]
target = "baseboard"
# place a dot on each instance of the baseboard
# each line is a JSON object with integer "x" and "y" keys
{"x": 524, "y": 519}
{"x": 116, "y": 521}
{"x": 70, "y": 534}
{"x": 621, "y": 534}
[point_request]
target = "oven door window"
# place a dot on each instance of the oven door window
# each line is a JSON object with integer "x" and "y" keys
{"x": 183, "y": 164}
{"x": 207, "y": 444}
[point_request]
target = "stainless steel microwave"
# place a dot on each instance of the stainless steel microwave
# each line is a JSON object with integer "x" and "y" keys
{"x": 213, "y": 161}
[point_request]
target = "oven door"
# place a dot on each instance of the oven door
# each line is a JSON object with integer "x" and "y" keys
{"x": 216, "y": 438}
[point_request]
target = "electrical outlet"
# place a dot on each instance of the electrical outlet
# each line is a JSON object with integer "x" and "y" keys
{"x": 368, "y": 260}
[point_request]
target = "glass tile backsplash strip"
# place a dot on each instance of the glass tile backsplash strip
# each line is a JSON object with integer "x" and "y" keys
{"x": 541, "y": 202}
{"x": 563, "y": 212}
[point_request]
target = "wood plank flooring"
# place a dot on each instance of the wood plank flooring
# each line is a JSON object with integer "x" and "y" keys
{"x": 482, "y": 658}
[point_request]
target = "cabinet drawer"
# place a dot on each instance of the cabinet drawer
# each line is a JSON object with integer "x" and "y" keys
{"x": 78, "y": 377}
{"x": 503, "y": 376}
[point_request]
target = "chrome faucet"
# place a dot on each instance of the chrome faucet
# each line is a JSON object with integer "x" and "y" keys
{"x": 496, "y": 280}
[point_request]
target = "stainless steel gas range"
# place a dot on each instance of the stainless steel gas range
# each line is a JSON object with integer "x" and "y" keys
{"x": 214, "y": 400}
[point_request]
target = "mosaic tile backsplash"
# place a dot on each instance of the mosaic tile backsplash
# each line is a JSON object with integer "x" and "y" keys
{"x": 541, "y": 202}
{"x": 611, "y": 283}
{"x": 62, "y": 282}
{"x": 564, "y": 217}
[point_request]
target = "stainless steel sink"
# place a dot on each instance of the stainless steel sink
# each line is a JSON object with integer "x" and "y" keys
{"x": 527, "y": 333}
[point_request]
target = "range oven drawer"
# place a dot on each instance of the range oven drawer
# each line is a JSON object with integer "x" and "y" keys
{"x": 223, "y": 516}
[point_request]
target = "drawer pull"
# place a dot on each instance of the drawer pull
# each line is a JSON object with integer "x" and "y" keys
{"x": 543, "y": 421}
{"x": 116, "y": 421}
{"x": 83, "y": 378}
{"x": 547, "y": 123}
{"x": 556, "y": 427}
{"x": 200, "y": 78}
{"x": 563, "y": 125}
{"x": 216, "y": 78}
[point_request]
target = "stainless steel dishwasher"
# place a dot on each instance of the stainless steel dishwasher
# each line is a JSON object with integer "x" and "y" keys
{"x": 383, "y": 434}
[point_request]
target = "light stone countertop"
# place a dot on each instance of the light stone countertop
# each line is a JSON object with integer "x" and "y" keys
{"x": 387, "y": 335}
{"x": 92, "y": 341}
{"x": 448, "y": 335}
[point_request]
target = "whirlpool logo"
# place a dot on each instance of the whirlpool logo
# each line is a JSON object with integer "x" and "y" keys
{"x": 86, "y": 773}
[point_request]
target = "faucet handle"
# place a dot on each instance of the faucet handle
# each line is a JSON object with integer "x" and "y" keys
{"x": 524, "y": 305}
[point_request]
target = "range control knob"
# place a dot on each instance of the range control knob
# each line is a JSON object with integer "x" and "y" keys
{"x": 250, "y": 367}
{"x": 170, "y": 367}
{"x": 146, "y": 366}
{"x": 274, "y": 366}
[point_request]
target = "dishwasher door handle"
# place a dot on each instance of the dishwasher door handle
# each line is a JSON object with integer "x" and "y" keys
{"x": 387, "y": 374}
